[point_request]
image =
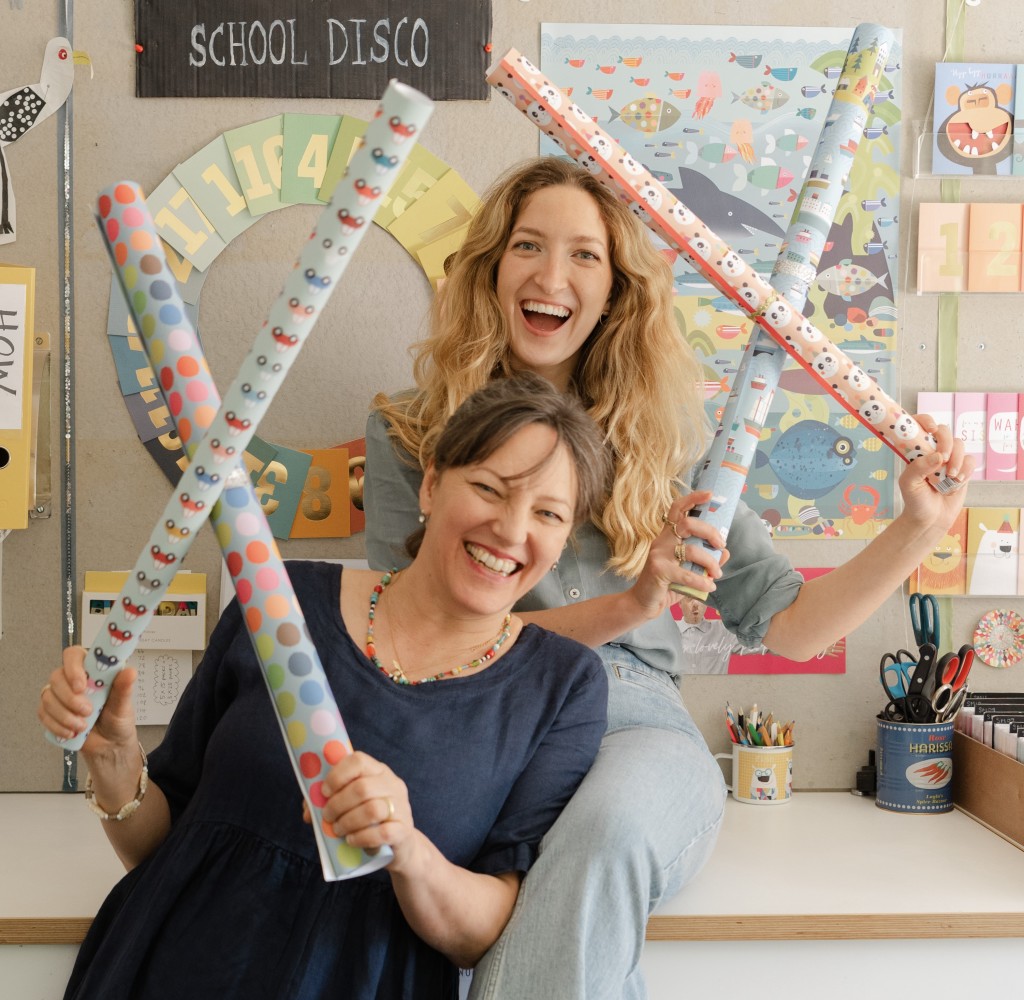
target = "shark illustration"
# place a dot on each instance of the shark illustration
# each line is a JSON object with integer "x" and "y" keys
{"x": 730, "y": 217}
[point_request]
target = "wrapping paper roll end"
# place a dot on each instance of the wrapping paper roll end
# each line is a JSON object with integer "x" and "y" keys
{"x": 678, "y": 588}
{"x": 948, "y": 484}
{"x": 410, "y": 94}
{"x": 75, "y": 743}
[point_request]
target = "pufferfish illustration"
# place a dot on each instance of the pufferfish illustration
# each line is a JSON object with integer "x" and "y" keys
{"x": 764, "y": 98}
{"x": 810, "y": 459}
{"x": 847, "y": 279}
{"x": 648, "y": 114}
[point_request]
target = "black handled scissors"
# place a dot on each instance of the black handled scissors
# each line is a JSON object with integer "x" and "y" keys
{"x": 917, "y": 705}
{"x": 924, "y": 618}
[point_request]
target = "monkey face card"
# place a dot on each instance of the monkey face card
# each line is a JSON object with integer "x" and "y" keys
{"x": 973, "y": 118}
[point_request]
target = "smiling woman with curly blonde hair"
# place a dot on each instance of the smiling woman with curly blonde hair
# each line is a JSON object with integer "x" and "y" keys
{"x": 654, "y": 422}
{"x": 559, "y": 278}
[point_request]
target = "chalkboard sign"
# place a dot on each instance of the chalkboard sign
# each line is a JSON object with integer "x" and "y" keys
{"x": 311, "y": 48}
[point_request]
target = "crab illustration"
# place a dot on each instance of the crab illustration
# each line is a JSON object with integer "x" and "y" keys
{"x": 859, "y": 513}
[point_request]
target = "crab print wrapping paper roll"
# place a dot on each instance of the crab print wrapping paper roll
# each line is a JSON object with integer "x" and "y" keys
{"x": 216, "y": 437}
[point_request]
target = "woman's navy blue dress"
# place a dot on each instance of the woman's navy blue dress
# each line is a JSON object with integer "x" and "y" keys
{"x": 234, "y": 905}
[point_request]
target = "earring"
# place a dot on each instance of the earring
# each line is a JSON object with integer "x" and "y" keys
{"x": 422, "y": 518}
{"x": 554, "y": 566}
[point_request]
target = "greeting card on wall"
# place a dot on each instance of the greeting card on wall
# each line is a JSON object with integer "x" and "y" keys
{"x": 727, "y": 119}
{"x": 974, "y": 105}
{"x": 993, "y": 538}
{"x": 944, "y": 570}
{"x": 1001, "y": 435}
{"x": 1018, "y": 124}
{"x": 938, "y": 404}
{"x": 969, "y": 427}
{"x": 942, "y": 230}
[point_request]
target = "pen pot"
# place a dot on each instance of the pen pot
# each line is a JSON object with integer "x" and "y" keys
{"x": 915, "y": 766}
{"x": 761, "y": 776}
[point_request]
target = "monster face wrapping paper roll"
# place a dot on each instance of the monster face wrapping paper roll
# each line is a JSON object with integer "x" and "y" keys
{"x": 216, "y": 436}
{"x": 527, "y": 89}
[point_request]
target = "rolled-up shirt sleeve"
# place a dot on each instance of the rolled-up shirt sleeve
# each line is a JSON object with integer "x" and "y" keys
{"x": 391, "y": 493}
{"x": 757, "y": 582}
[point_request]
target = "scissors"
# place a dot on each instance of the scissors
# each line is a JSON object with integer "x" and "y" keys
{"x": 951, "y": 683}
{"x": 924, "y": 617}
{"x": 917, "y": 705}
{"x": 895, "y": 671}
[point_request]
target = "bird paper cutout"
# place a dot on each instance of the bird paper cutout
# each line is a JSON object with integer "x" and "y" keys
{"x": 25, "y": 107}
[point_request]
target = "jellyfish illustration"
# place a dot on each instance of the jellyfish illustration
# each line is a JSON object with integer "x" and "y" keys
{"x": 741, "y": 135}
{"x": 709, "y": 86}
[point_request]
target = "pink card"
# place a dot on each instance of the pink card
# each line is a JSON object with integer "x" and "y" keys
{"x": 938, "y": 405}
{"x": 1001, "y": 435}
{"x": 969, "y": 426}
{"x": 1020, "y": 437}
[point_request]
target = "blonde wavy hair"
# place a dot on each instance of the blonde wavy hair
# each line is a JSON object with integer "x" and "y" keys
{"x": 636, "y": 375}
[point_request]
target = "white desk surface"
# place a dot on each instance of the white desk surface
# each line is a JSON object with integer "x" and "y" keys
{"x": 824, "y": 866}
{"x": 832, "y": 865}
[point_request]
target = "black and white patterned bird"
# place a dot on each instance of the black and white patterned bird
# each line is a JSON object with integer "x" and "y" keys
{"x": 25, "y": 107}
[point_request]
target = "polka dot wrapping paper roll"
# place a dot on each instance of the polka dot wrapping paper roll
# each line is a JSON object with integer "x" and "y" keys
{"x": 215, "y": 435}
{"x": 528, "y": 90}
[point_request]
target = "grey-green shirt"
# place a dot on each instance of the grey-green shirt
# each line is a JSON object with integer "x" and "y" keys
{"x": 756, "y": 581}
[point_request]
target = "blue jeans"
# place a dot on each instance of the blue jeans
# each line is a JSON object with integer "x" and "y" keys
{"x": 640, "y": 826}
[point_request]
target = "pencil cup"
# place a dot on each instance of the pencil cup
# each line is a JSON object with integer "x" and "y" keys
{"x": 761, "y": 776}
{"x": 915, "y": 766}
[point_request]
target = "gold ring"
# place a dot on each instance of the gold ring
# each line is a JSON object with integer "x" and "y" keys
{"x": 665, "y": 520}
{"x": 680, "y": 553}
{"x": 46, "y": 687}
{"x": 678, "y": 536}
{"x": 391, "y": 809}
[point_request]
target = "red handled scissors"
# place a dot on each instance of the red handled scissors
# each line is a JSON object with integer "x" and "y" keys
{"x": 951, "y": 683}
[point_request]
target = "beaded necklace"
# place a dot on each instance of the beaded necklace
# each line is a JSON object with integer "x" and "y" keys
{"x": 398, "y": 674}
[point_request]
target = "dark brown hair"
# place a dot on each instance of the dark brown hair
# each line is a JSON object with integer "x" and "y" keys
{"x": 494, "y": 414}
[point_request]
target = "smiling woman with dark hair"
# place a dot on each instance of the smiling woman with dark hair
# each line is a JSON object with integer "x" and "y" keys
{"x": 471, "y": 731}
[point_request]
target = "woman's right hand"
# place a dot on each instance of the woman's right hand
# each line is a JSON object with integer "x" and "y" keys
{"x": 64, "y": 708}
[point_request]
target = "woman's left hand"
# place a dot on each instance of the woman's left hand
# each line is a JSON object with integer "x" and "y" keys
{"x": 923, "y": 505}
{"x": 367, "y": 804}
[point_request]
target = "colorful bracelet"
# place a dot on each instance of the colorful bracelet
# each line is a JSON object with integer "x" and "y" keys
{"x": 129, "y": 807}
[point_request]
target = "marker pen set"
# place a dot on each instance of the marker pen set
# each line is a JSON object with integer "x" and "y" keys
{"x": 995, "y": 718}
{"x": 757, "y": 729}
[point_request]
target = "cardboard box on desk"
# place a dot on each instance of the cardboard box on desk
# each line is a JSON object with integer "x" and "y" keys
{"x": 181, "y": 630}
{"x": 989, "y": 786}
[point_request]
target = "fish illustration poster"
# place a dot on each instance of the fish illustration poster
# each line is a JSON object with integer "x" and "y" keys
{"x": 727, "y": 118}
